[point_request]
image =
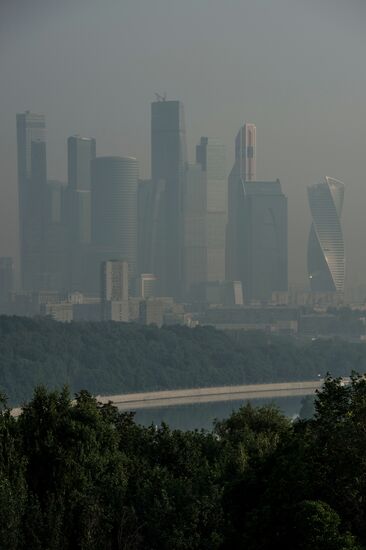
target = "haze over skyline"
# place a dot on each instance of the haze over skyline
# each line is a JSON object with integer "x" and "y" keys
{"x": 292, "y": 67}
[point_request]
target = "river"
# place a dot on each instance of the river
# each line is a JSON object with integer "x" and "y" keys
{"x": 202, "y": 415}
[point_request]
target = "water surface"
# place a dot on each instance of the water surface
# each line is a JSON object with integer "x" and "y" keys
{"x": 202, "y": 415}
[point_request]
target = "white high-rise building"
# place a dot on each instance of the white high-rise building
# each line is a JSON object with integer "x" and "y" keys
{"x": 245, "y": 152}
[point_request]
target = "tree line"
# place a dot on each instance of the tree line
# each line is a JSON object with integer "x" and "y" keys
{"x": 84, "y": 476}
{"x": 109, "y": 358}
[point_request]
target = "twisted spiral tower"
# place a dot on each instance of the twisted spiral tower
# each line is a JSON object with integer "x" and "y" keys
{"x": 326, "y": 258}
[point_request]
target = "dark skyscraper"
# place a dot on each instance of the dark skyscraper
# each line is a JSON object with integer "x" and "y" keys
{"x": 55, "y": 244}
{"x": 30, "y": 128}
{"x": 326, "y": 257}
{"x": 244, "y": 169}
{"x": 81, "y": 152}
{"x": 114, "y": 212}
{"x": 256, "y": 238}
{"x": 168, "y": 163}
{"x": 262, "y": 240}
{"x": 33, "y": 268}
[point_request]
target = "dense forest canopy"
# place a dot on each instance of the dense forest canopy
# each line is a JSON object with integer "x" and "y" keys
{"x": 84, "y": 476}
{"x": 109, "y": 358}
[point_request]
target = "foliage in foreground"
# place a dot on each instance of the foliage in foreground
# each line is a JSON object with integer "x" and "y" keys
{"x": 110, "y": 358}
{"x": 84, "y": 476}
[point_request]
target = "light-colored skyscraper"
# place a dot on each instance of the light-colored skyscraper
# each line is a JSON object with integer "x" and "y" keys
{"x": 168, "y": 164}
{"x": 114, "y": 211}
{"x": 326, "y": 255}
{"x": 31, "y": 127}
{"x": 205, "y": 215}
{"x": 245, "y": 152}
{"x": 210, "y": 155}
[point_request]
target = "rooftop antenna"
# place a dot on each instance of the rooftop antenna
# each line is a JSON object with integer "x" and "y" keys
{"x": 160, "y": 97}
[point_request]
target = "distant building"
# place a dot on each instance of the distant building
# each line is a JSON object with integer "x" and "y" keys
{"x": 114, "y": 281}
{"x": 114, "y": 213}
{"x": 31, "y": 127}
{"x": 148, "y": 285}
{"x": 145, "y": 217}
{"x": 245, "y": 152}
{"x": 194, "y": 244}
{"x": 226, "y": 293}
{"x": 244, "y": 170}
{"x": 55, "y": 241}
{"x": 115, "y": 311}
{"x": 210, "y": 155}
{"x": 34, "y": 222}
{"x": 152, "y": 312}
{"x": 6, "y": 278}
{"x": 87, "y": 312}
{"x": 205, "y": 216}
{"x": 59, "y": 312}
{"x": 168, "y": 162}
{"x": 274, "y": 319}
{"x": 81, "y": 153}
{"x": 326, "y": 256}
{"x": 114, "y": 290}
{"x": 257, "y": 238}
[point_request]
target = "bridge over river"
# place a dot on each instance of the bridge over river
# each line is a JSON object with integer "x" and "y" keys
{"x": 168, "y": 398}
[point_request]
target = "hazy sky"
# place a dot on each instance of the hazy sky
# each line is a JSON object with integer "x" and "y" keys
{"x": 296, "y": 68}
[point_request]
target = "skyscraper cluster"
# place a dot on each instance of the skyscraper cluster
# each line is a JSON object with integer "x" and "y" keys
{"x": 189, "y": 232}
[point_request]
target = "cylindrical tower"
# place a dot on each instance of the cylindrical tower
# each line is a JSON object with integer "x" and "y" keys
{"x": 114, "y": 209}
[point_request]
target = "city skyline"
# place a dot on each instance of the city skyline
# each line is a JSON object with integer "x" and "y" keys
{"x": 299, "y": 91}
{"x": 173, "y": 176}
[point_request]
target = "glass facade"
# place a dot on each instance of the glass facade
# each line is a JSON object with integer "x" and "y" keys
{"x": 326, "y": 254}
{"x": 205, "y": 215}
{"x": 31, "y": 127}
{"x": 168, "y": 164}
{"x": 114, "y": 211}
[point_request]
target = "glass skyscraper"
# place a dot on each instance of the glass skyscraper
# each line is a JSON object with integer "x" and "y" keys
{"x": 31, "y": 128}
{"x": 262, "y": 240}
{"x": 256, "y": 236}
{"x": 114, "y": 212}
{"x": 244, "y": 169}
{"x": 81, "y": 152}
{"x": 326, "y": 255}
{"x": 245, "y": 152}
{"x": 168, "y": 165}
